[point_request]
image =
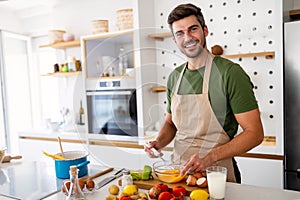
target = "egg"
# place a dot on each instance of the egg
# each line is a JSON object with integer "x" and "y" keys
{"x": 90, "y": 184}
{"x": 65, "y": 185}
{"x": 81, "y": 184}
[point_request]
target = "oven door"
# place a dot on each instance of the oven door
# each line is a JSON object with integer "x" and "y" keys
{"x": 112, "y": 112}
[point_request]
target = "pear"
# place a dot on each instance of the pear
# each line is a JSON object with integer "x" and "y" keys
{"x": 113, "y": 189}
{"x": 111, "y": 197}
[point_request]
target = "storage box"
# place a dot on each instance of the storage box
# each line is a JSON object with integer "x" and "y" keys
{"x": 125, "y": 19}
{"x": 55, "y": 36}
{"x": 99, "y": 26}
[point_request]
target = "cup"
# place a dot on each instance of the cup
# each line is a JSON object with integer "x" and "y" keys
{"x": 216, "y": 179}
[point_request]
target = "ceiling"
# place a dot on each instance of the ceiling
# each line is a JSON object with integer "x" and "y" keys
{"x": 25, "y": 4}
{"x": 26, "y": 8}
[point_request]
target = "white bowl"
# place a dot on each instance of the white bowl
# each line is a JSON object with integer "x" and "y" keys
{"x": 68, "y": 37}
{"x": 54, "y": 126}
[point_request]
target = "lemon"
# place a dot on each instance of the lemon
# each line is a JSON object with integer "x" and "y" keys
{"x": 199, "y": 195}
{"x": 130, "y": 190}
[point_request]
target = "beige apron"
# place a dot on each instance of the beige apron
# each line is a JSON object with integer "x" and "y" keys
{"x": 198, "y": 130}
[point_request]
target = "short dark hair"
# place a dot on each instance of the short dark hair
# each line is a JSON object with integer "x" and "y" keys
{"x": 185, "y": 10}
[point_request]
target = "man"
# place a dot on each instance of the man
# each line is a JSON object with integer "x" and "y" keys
{"x": 208, "y": 98}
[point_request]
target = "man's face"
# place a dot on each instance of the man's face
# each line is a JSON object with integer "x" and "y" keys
{"x": 189, "y": 36}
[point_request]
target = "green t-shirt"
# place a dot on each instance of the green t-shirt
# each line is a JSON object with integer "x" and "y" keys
{"x": 230, "y": 90}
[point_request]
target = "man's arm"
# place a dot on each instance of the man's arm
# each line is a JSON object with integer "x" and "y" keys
{"x": 164, "y": 137}
{"x": 251, "y": 136}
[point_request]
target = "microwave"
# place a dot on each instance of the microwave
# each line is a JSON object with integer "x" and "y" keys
{"x": 112, "y": 110}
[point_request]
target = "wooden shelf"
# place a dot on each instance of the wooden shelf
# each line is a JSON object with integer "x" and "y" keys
{"x": 160, "y": 36}
{"x": 295, "y": 14}
{"x": 269, "y": 141}
{"x": 268, "y": 55}
{"x": 62, "y": 45}
{"x": 158, "y": 89}
{"x": 63, "y": 74}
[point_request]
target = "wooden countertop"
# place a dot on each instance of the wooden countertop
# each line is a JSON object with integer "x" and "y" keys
{"x": 128, "y": 144}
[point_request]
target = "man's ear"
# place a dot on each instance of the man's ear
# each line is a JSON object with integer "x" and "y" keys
{"x": 174, "y": 39}
{"x": 205, "y": 31}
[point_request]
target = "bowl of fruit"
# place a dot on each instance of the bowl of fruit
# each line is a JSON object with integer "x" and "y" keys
{"x": 168, "y": 172}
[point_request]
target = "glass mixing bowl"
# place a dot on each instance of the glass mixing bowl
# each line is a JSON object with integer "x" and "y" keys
{"x": 168, "y": 172}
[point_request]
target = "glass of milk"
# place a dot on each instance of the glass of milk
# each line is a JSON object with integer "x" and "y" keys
{"x": 216, "y": 179}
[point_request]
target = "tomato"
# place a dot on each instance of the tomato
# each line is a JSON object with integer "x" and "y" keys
{"x": 165, "y": 196}
{"x": 178, "y": 198}
{"x": 179, "y": 191}
{"x": 163, "y": 187}
{"x": 154, "y": 192}
{"x": 125, "y": 198}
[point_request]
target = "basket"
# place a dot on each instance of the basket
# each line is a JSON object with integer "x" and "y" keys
{"x": 125, "y": 19}
{"x": 56, "y": 36}
{"x": 99, "y": 26}
{"x": 2, "y": 154}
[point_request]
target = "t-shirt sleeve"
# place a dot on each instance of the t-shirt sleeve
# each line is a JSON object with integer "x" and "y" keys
{"x": 170, "y": 85}
{"x": 240, "y": 90}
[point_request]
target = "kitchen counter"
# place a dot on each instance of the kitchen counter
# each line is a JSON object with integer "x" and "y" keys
{"x": 37, "y": 180}
{"x": 117, "y": 141}
{"x": 32, "y": 180}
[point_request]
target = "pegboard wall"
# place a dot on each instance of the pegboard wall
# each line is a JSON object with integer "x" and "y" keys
{"x": 239, "y": 26}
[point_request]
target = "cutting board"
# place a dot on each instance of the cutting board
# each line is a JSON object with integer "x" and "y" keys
{"x": 146, "y": 185}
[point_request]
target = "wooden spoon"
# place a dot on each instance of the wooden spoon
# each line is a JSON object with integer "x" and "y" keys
{"x": 60, "y": 146}
{"x": 8, "y": 158}
{"x": 84, "y": 179}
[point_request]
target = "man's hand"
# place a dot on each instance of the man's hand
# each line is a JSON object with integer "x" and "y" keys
{"x": 149, "y": 146}
{"x": 196, "y": 164}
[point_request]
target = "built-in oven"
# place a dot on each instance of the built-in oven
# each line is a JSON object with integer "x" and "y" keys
{"x": 112, "y": 109}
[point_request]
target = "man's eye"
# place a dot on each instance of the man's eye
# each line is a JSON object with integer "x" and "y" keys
{"x": 179, "y": 34}
{"x": 194, "y": 29}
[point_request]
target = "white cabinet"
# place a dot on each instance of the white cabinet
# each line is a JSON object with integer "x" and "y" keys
{"x": 120, "y": 157}
{"x": 261, "y": 172}
{"x": 31, "y": 150}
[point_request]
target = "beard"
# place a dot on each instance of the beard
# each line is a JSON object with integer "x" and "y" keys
{"x": 195, "y": 52}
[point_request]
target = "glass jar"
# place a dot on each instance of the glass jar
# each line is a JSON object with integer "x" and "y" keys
{"x": 126, "y": 178}
{"x": 74, "y": 192}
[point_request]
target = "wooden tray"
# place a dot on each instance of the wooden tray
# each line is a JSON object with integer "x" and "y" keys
{"x": 146, "y": 185}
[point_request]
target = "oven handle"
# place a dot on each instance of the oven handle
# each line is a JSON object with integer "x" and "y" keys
{"x": 109, "y": 93}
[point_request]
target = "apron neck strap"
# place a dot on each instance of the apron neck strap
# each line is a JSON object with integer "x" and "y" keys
{"x": 207, "y": 70}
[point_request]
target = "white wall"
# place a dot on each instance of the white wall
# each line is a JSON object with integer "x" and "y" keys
{"x": 9, "y": 21}
{"x": 76, "y": 16}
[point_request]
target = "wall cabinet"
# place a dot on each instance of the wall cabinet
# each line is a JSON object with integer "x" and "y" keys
{"x": 108, "y": 55}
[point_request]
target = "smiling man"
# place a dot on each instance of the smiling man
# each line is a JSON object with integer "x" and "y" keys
{"x": 208, "y": 98}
